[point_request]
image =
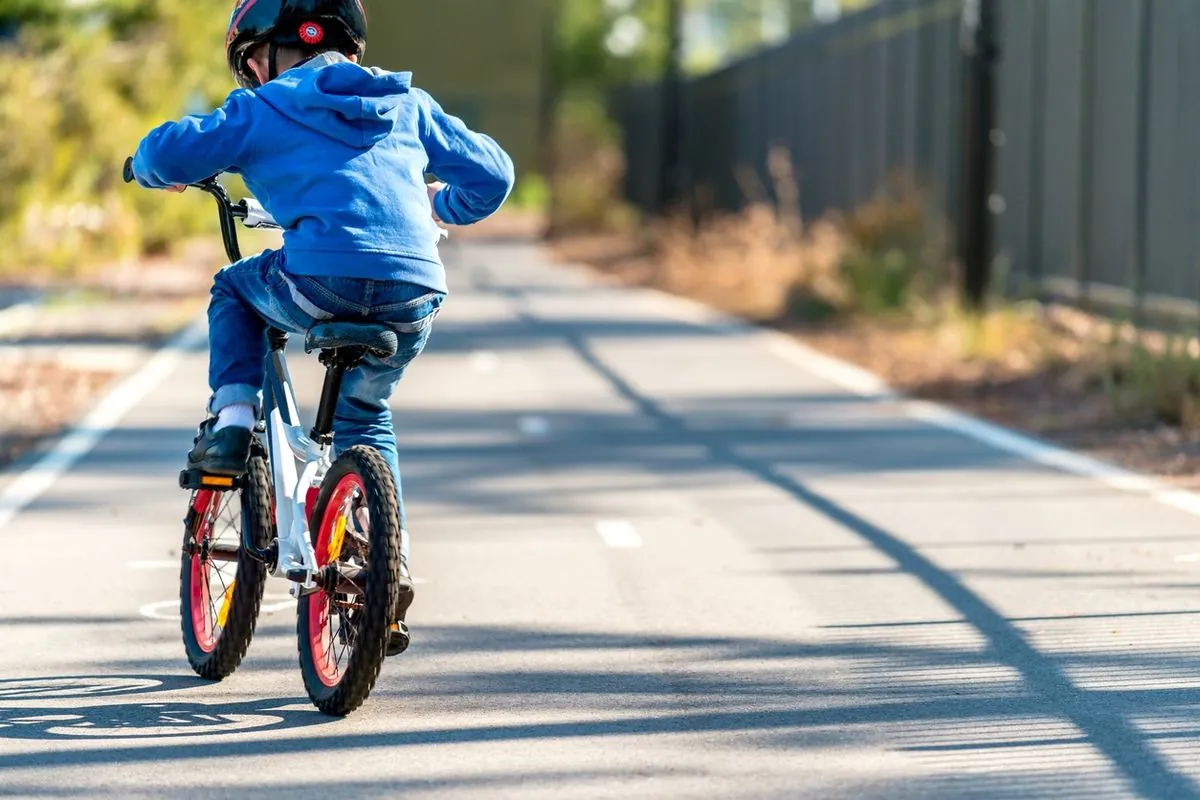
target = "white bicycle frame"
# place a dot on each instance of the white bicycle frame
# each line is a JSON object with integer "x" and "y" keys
{"x": 298, "y": 464}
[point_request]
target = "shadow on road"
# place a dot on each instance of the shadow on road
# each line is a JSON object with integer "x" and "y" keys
{"x": 976, "y": 683}
{"x": 1106, "y": 725}
{"x": 144, "y": 718}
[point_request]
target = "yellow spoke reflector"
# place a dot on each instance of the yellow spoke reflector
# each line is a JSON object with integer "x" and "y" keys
{"x": 339, "y": 535}
{"x": 226, "y": 602}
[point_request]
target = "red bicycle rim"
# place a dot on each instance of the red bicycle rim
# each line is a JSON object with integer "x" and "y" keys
{"x": 203, "y": 624}
{"x": 329, "y": 666}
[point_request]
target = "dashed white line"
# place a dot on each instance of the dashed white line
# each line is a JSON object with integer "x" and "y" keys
{"x": 618, "y": 533}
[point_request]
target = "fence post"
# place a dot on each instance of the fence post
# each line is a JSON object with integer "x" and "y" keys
{"x": 978, "y": 43}
{"x": 1034, "y": 268}
{"x": 669, "y": 177}
{"x": 1083, "y": 225}
{"x": 1145, "y": 65}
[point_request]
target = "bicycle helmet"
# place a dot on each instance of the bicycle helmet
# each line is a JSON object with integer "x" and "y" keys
{"x": 311, "y": 25}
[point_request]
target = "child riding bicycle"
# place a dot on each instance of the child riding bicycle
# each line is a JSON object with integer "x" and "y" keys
{"x": 337, "y": 153}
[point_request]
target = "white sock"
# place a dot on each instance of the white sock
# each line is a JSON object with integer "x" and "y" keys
{"x": 239, "y": 415}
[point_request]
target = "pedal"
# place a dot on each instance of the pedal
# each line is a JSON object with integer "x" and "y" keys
{"x": 398, "y": 639}
{"x": 195, "y": 480}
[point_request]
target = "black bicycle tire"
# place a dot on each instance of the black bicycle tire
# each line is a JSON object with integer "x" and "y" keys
{"x": 383, "y": 577}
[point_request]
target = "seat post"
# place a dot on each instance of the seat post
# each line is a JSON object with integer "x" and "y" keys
{"x": 336, "y": 362}
{"x": 276, "y": 339}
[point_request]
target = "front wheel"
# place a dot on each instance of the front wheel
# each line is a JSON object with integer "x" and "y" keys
{"x": 220, "y": 586}
{"x": 343, "y": 627}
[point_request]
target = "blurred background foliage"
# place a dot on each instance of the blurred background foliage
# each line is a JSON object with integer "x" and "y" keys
{"x": 80, "y": 83}
{"x": 600, "y": 45}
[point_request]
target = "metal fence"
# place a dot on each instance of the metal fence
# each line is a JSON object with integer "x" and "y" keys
{"x": 851, "y": 102}
{"x": 1096, "y": 193}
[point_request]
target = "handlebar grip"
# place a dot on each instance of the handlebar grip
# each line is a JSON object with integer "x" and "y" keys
{"x": 128, "y": 172}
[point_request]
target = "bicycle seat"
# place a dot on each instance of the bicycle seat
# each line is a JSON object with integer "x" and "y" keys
{"x": 378, "y": 340}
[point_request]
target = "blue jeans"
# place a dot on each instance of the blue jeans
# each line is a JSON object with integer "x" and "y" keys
{"x": 256, "y": 292}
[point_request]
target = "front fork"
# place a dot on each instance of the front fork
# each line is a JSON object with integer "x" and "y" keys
{"x": 294, "y": 493}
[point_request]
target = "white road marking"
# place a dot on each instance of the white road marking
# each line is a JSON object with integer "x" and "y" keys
{"x": 16, "y": 317}
{"x": 168, "y": 610}
{"x": 618, "y": 533}
{"x": 868, "y": 385}
{"x": 484, "y": 361}
{"x": 534, "y": 427}
{"x": 282, "y": 605}
{"x": 1188, "y": 558}
{"x": 173, "y": 724}
{"x": 165, "y": 610}
{"x": 147, "y": 565}
{"x": 79, "y": 441}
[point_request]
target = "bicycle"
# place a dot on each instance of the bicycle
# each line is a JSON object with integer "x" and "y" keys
{"x": 331, "y": 528}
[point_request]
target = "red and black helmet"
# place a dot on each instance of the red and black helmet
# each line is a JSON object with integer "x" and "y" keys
{"x": 339, "y": 25}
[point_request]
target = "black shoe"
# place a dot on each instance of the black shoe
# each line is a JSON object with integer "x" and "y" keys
{"x": 223, "y": 452}
{"x": 398, "y": 636}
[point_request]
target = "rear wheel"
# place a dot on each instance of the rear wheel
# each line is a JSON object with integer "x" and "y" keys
{"x": 343, "y": 627}
{"x": 220, "y": 587}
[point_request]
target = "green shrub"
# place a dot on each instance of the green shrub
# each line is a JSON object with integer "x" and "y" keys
{"x": 588, "y": 169}
{"x": 1153, "y": 378}
{"x": 896, "y": 249}
{"x": 531, "y": 193}
{"x": 78, "y": 90}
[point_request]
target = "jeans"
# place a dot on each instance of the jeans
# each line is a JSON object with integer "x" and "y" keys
{"x": 257, "y": 292}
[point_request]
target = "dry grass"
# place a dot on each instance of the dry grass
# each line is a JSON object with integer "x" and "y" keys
{"x": 755, "y": 264}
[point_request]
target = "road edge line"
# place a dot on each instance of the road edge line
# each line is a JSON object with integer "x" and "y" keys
{"x": 77, "y": 441}
{"x": 868, "y": 385}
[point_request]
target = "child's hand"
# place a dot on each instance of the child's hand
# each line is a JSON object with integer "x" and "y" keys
{"x": 433, "y": 189}
{"x": 175, "y": 189}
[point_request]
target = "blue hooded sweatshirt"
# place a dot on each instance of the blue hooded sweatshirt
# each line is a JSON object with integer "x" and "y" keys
{"x": 338, "y": 153}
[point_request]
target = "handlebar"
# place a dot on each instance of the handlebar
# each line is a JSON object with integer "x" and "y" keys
{"x": 252, "y": 214}
{"x": 249, "y": 211}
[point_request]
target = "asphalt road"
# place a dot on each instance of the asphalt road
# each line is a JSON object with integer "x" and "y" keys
{"x": 657, "y": 560}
